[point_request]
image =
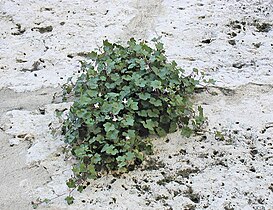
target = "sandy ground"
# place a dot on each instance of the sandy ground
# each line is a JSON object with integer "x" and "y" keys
{"x": 232, "y": 41}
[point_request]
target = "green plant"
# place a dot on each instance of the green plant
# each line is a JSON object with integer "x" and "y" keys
{"x": 124, "y": 95}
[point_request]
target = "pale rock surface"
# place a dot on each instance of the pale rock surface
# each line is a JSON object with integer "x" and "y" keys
{"x": 41, "y": 43}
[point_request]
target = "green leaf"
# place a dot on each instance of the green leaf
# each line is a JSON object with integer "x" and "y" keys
{"x": 161, "y": 132}
{"x": 106, "y": 107}
{"x": 126, "y": 90}
{"x": 107, "y": 45}
{"x": 71, "y": 183}
{"x": 93, "y": 55}
{"x": 186, "y": 131}
{"x": 139, "y": 155}
{"x": 142, "y": 65}
{"x": 156, "y": 84}
{"x": 163, "y": 72}
{"x": 92, "y": 174}
{"x": 219, "y": 135}
{"x": 109, "y": 149}
{"x": 156, "y": 39}
{"x": 201, "y": 112}
{"x": 122, "y": 161}
{"x": 165, "y": 119}
{"x": 91, "y": 169}
{"x": 96, "y": 158}
{"x": 136, "y": 76}
{"x": 149, "y": 124}
{"x": 69, "y": 200}
{"x": 93, "y": 83}
{"x": 161, "y": 58}
{"x": 159, "y": 46}
{"x": 127, "y": 77}
{"x": 130, "y": 156}
{"x": 156, "y": 102}
{"x": 143, "y": 113}
{"x": 128, "y": 121}
{"x": 137, "y": 48}
{"x": 80, "y": 188}
{"x": 132, "y": 65}
{"x": 144, "y": 96}
{"x": 111, "y": 95}
{"x": 152, "y": 59}
{"x": 81, "y": 151}
{"x": 133, "y": 105}
{"x": 140, "y": 82}
{"x": 76, "y": 169}
{"x": 209, "y": 81}
{"x": 110, "y": 85}
{"x": 115, "y": 77}
{"x": 153, "y": 113}
{"x": 112, "y": 134}
{"x": 109, "y": 127}
{"x": 117, "y": 107}
{"x": 34, "y": 205}
{"x": 173, "y": 127}
{"x": 130, "y": 133}
{"x": 200, "y": 119}
{"x": 195, "y": 70}
{"x": 84, "y": 100}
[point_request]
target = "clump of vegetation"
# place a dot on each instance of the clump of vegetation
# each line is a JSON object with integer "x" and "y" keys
{"x": 124, "y": 95}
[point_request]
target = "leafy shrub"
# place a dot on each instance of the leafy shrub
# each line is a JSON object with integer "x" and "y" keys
{"x": 124, "y": 95}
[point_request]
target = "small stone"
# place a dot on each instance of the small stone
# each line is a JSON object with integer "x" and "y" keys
{"x": 232, "y": 42}
{"x": 14, "y": 141}
{"x": 206, "y": 41}
{"x": 238, "y": 65}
